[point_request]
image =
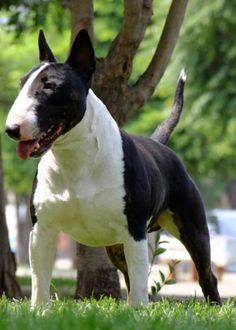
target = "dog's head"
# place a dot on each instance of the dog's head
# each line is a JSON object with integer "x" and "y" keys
{"x": 52, "y": 97}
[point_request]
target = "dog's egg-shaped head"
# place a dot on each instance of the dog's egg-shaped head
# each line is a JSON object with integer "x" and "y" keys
{"x": 52, "y": 97}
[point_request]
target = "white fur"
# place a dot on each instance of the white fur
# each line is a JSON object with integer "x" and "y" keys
{"x": 80, "y": 181}
{"x": 41, "y": 253}
{"x": 136, "y": 255}
{"x": 22, "y": 111}
{"x": 80, "y": 191}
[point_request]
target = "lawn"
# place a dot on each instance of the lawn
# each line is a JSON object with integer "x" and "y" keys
{"x": 107, "y": 314}
{"x": 56, "y": 282}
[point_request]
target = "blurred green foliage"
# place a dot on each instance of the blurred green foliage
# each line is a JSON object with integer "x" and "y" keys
{"x": 20, "y": 16}
{"x": 17, "y": 57}
{"x": 208, "y": 49}
{"x": 205, "y": 138}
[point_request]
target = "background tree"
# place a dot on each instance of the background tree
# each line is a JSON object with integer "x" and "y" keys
{"x": 205, "y": 138}
{"x": 114, "y": 84}
{"x": 8, "y": 283}
{"x": 230, "y": 194}
{"x": 206, "y": 135}
{"x": 209, "y": 51}
{"x": 111, "y": 83}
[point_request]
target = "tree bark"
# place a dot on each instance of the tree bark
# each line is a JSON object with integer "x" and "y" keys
{"x": 148, "y": 81}
{"x": 96, "y": 275}
{"x": 81, "y": 17}
{"x": 230, "y": 193}
{"x": 24, "y": 227}
{"x": 111, "y": 85}
{"x": 113, "y": 72}
{"x": 8, "y": 282}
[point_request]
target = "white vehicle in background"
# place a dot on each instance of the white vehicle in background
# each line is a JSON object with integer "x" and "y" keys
{"x": 222, "y": 227}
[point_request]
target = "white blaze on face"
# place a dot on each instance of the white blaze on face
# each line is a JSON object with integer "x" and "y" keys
{"x": 22, "y": 112}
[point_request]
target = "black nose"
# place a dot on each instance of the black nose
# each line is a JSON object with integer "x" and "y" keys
{"x": 13, "y": 132}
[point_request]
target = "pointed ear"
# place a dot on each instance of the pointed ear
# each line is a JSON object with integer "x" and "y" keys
{"x": 82, "y": 57}
{"x": 45, "y": 53}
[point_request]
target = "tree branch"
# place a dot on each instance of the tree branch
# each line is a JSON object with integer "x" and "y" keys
{"x": 137, "y": 14}
{"x": 8, "y": 282}
{"x": 81, "y": 17}
{"x": 147, "y": 83}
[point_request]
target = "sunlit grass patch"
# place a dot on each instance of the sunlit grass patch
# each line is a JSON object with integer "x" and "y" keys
{"x": 110, "y": 314}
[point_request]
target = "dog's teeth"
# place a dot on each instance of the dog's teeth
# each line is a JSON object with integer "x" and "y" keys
{"x": 36, "y": 148}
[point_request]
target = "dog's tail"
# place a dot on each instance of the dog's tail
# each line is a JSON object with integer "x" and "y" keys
{"x": 164, "y": 130}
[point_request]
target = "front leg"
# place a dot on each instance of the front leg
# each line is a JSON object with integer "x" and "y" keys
{"x": 136, "y": 254}
{"x": 41, "y": 253}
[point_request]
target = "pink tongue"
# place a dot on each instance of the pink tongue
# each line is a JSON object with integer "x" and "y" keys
{"x": 25, "y": 148}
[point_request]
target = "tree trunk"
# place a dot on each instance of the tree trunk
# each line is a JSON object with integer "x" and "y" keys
{"x": 24, "y": 227}
{"x": 96, "y": 275}
{"x": 111, "y": 84}
{"x": 8, "y": 283}
{"x": 230, "y": 193}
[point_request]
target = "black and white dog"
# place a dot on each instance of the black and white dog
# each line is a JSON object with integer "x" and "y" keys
{"x": 95, "y": 182}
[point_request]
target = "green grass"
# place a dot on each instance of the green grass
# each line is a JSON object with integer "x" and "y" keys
{"x": 107, "y": 314}
{"x": 57, "y": 282}
{"x": 62, "y": 287}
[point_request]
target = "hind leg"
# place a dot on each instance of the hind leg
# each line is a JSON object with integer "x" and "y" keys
{"x": 196, "y": 241}
{"x": 191, "y": 221}
{"x": 117, "y": 257}
{"x": 187, "y": 222}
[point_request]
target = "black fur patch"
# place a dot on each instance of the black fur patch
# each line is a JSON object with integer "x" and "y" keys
{"x": 144, "y": 183}
{"x": 61, "y": 97}
{"x": 32, "y": 208}
{"x": 27, "y": 75}
{"x": 155, "y": 180}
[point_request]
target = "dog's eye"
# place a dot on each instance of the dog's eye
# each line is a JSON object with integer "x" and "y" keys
{"x": 49, "y": 85}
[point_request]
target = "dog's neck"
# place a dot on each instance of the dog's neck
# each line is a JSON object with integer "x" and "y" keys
{"x": 94, "y": 140}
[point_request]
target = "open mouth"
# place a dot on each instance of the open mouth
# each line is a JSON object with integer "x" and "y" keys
{"x": 37, "y": 147}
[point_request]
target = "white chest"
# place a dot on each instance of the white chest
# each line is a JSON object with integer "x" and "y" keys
{"x": 94, "y": 219}
{"x": 80, "y": 186}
